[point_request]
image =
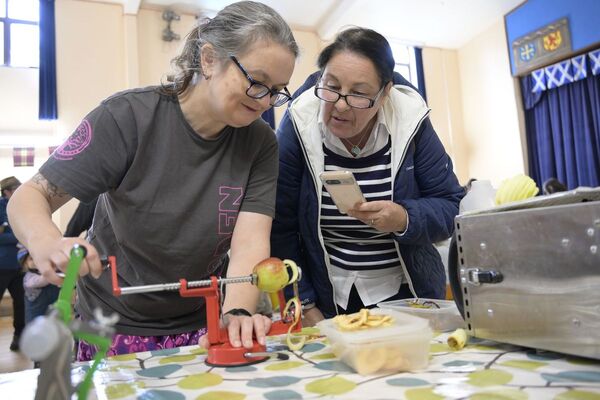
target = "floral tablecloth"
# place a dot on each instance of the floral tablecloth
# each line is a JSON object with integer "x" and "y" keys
{"x": 482, "y": 370}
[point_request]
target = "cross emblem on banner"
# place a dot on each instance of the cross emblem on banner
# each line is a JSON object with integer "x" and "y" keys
{"x": 527, "y": 52}
{"x": 558, "y": 74}
{"x": 539, "y": 81}
{"x": 579, "y": 70}
{"x": 595, "y": 61}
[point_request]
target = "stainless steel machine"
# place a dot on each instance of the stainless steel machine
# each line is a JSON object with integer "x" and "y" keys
{"x": 528, "y": 273}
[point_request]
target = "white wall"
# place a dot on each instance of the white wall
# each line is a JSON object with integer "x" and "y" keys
{"x": 310, "y": 45}
{"x": 491, "y": 125}
{"x": 155, "y": 54}
{"x": 442, "y": 84}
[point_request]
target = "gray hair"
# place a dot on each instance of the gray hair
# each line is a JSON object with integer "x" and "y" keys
{"x": 231, "y": 32}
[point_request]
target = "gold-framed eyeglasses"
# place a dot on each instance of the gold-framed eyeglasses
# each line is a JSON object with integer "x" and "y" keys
{"x": 258, "y": 90}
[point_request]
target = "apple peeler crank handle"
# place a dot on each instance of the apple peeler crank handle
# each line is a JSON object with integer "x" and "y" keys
{"x": 160, "y": 287}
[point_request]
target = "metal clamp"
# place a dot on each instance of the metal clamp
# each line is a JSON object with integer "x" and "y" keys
{"x": 476, "y": 276}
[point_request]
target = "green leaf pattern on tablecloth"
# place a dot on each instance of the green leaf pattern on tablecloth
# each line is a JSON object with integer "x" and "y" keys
{"x": 330, "y": 386}
{"x": 578, "y": 395}
{"x": 439, "y": 348}
{"x": 198, "y": 350}
{"x": 524, "y": 364}
{"x": 221, "y": 395}
{"x": 324, "y": 356}
{"x": 489, "y": 377}
{"x": 200, "y": 381}
{"x": 119, "y": 391}
{"x": 503, "y": 394}
{"x": 122, "y": 357}
{"x": 311, "y": 330}
{"x": 177, "y": 359}
{"x": 281, "y": 366}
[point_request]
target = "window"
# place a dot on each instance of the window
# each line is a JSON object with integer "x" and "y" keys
{"x": 19, "y": 33}
{"x": 405, "y": 62}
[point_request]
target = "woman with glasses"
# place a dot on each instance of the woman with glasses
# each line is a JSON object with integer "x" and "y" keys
{"x": 353, "y": 117}
{"x": 186, "y": 172}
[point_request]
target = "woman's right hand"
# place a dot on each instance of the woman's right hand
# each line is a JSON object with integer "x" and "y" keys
{"x": 50, "y": 256}
{"x": 312, "y": 316}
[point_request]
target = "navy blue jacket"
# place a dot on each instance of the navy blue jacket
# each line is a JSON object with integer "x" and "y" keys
{"x": 8, "y": 242}
{"x": 424, "y": 184}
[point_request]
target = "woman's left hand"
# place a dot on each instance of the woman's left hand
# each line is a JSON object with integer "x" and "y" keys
{"x": 241, "y": 328}
{"x": 383, "y": 215}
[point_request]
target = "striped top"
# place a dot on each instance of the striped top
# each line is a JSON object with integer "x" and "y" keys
{"x": 351, "y": 244}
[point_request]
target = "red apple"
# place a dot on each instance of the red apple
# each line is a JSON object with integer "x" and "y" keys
{"x": 271, "y": 275}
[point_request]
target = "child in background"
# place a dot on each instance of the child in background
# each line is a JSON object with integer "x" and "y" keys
{"x": 39, "y": 293}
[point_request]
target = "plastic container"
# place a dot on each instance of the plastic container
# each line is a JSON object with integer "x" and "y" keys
{"x": 402, "y": 346}
{"x": 445, "y": 318}
{"x": 481, "y": 196}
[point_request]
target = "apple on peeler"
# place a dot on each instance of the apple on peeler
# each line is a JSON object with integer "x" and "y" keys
{"x": 272, "y": 275}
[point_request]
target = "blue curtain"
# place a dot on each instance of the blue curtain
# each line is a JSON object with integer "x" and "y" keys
{"x": 420, "y": 73}
{"x": 269, "y": 116}
{"x": 563, "y": 132}
{"x": 47, "y": 86}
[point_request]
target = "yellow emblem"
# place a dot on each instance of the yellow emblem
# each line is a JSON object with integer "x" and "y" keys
{"x": 552, "y": 41}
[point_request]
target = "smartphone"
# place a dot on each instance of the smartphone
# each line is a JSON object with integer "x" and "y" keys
{"x": 343, "y": 189}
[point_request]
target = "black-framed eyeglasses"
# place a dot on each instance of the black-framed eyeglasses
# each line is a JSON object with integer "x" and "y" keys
{"x": 258, "y": 90}
{"x": 353, "y": 100}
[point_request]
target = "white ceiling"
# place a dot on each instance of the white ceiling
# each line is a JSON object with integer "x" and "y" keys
{"x": 433, "y": 23}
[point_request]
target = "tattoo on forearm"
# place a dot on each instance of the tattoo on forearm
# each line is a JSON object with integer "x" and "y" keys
{"x": 51, "y": 189}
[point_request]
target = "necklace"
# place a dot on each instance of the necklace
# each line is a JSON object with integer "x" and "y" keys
{"x": 355, "y": 149}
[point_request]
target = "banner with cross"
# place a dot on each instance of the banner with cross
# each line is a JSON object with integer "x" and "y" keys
{"x": 571, "y": 70}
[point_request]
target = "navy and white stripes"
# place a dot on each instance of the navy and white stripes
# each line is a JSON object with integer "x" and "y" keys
{"x": 351, "y": 244}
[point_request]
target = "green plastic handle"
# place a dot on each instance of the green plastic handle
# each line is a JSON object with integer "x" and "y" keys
{"x": 103, "y": 344}
{"x": 63, "y": 304}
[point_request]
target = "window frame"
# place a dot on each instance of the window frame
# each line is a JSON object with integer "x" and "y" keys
{"x": 413, "y": 77}
{"x": 7, "y": 22}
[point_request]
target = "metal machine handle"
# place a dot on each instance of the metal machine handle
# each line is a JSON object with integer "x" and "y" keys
{"x": 476, "y": 276}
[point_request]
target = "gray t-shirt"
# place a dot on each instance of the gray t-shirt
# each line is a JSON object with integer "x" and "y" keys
{"x": 169, "y": 202}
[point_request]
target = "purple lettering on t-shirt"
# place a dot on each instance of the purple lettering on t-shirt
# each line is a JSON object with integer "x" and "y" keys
{"x": 229, "y": 206}
{"x": 76, "y": 143}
